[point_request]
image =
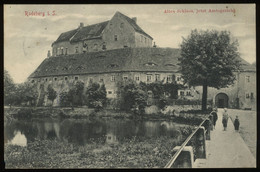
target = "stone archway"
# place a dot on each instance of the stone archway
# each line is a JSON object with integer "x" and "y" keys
{"x": 221, "y": 100}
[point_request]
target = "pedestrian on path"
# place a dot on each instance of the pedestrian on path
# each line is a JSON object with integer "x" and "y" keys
{"x": 225, "y": 119}
{"x": 236, "y": 123}
{"x": 215, "y": 116}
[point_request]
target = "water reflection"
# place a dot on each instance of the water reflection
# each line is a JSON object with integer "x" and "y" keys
{"x": 83, "y": 131}
{"x": 19, "y": 139}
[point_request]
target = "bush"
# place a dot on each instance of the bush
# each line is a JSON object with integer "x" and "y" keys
{"x": 96, "y": 96}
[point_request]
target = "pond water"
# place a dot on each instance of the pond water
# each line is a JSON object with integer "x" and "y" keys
{"x": 81, "y": 131}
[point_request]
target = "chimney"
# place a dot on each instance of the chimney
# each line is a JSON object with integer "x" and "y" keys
{"x": 81, "y": 25}
{"x": 49, "y": 53}
{"x": 135, "y": 19}
{"x": 154, "y": 45}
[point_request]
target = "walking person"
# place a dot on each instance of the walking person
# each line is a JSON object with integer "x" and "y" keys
{"x": 214, "y": 116}
{"x": 225, "y": 119}
{"x": 236, "y": 124}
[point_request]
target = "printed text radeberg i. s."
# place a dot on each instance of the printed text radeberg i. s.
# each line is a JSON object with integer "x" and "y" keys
{"x": 39, "y": 13}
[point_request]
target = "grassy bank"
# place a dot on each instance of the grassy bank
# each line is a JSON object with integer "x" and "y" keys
{"x": 84, "y": 112}
{"x": 247, "y": 128}
{"x": 131, "y": 153}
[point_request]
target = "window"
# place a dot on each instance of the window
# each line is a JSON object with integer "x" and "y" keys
{"x": 247, "y": 96}
{"x": 46, "y": 79}
{"x": 85, "y": 47}
{"x": 65, "y": 78}
{"x": 91, "y": 80}
{"x": 169, "y": 78}
{"x": 188, "y": 93}
{"x": 101, "y": 80}
{"x": 252, "y": 95}
{"x": 95, "y": 47}
{"x": 76, "y": 78}
{"x": 109, "y": 92}
{"x": 66, "y": 50}
{"x": 76, "y": 49}
{"x": 157, "y": 77}
{"x": 113, "y": 78}
{"x": 115, "y": 37}
{"x": 247, "y": 78}
{"x": 182, "y": 93}
{"x": 122, "y": 25}
{"x": 55, "y": 79}
{"x": 145, "y": 39}
{"x": 32, "y": 81}
{"x": 148, "y": 78}
{"x": 104, "y": 46}
{"x": 61, "y": 50}
{"x": 137, "y": 78}
{"x": 178, "y": 78}
{"x": 125, "y": 78}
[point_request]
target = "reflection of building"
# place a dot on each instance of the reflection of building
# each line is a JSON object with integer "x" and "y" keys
{"x": 111, "y": 138}
{"x": 119, "y": 50}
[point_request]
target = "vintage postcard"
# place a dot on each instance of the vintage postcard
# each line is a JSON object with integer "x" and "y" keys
{"x": 130, "y": 86}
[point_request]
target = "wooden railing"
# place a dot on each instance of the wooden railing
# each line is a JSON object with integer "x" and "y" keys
{"x": 197, "y": 148}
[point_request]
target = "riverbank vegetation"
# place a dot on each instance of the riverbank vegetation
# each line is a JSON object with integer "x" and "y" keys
{"x": 129, "y": 153}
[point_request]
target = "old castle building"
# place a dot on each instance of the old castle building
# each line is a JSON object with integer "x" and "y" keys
{"x": 119, "y": 32}
{"x": 118, "y": 50}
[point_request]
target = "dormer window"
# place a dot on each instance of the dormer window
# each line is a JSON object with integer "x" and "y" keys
{"x": 170, "y": 64}
{"x": 115, "y": 37}
{"x": 150, "y": 64}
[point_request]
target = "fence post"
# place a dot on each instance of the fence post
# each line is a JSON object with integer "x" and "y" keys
{"x": 200, "y": 143}
{"x": 207, "y": 126}
{"x": 185, "y": 159}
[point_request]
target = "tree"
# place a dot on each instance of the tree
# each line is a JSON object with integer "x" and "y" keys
{"x": 209, "y": 58}
{"x": 9, "y": 89}
{"x": 132, "y": 96}
{"x": 52, "y": 94}
{"x": 96, "y": 96}
{"x": 26, "y": 92}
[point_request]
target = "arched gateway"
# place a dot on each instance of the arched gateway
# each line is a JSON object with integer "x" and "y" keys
{"x": 221, "y": 100}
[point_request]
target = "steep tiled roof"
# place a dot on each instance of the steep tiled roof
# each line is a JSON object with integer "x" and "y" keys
{"x": 134, "y": 25}
{"x": 87, "y": 32}
{"x": 90, "y": 32}
{"x": 66, "y": 36}
{"x": 247, "y": 66}
{"x": 127, "y": 59}
{"x": 117, "y": 60}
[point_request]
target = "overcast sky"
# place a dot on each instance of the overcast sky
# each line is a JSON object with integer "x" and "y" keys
{"x": 27, "y": 39}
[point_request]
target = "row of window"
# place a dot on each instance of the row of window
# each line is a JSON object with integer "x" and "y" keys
{"x": 54, "y": 79}
{"x": 60, "y": 51}
{"x": 149, "y": 78}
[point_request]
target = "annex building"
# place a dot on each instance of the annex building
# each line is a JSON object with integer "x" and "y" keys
{"x": 118, "y": 50}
